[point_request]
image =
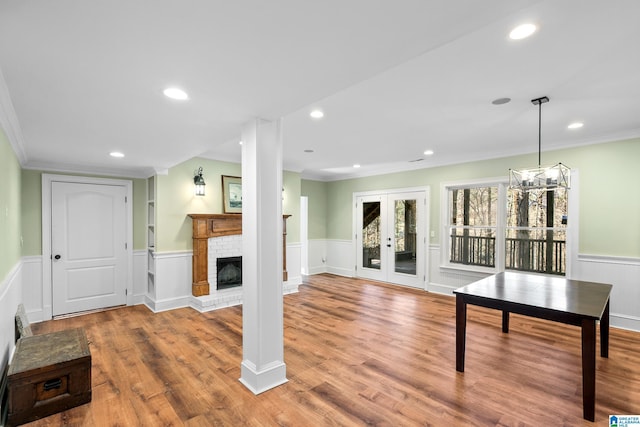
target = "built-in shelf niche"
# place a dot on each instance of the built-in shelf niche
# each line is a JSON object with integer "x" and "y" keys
{"x": 151, "y": 235}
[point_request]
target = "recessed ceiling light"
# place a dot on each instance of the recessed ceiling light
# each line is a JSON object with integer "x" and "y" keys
{"x": 356, "y": 166}
{"x": 522, "y": 31}
{"x": 317, "y": 114}
{"x": 175, "y": 93}
{"x": 240, "y": 142}
{"x": 428, "y": 153}
{"x": 501, "y": 101}
{"x": 116, "y": 154}
{"x": 575, "y": 125}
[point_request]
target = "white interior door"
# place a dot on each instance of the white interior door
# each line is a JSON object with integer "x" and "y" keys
{"x": 391, "y": 237}
{"x": 88, "y": 246}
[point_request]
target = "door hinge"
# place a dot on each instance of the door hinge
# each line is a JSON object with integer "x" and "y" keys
{"x": 125, "y": 245}
{"x": 125, "y": 199}
{"x": 126, "y": 292}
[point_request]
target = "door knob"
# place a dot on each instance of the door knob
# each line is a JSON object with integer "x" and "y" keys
{"x": 57, "y": 257}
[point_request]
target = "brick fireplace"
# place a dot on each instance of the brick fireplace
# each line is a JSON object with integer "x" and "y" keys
{"x": 220, "y": 235}
{"x": 225, "y": 257}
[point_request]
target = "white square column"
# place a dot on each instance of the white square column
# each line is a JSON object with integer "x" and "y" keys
{"x": 263, "y": 364}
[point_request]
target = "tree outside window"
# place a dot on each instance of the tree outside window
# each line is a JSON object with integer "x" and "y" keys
{"x": 473, "y": 225}
{"x": 536, "y": 232}
{"x": 534, "y": 229}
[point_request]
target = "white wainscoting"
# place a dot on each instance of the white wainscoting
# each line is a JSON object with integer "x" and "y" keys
{"x": 341, "y": 257}
{"x": 173, "y": 283}
{"x": 32, "y": 297}
{"x": 294, "y": 266}
{"x": 621, "y": 272}
{"x": 36, "y": 300}
{"x": 137, "y": 294}
{"x": 317, "y": 256}
{"x": 446, "y": 280}
{"x": 624, "y": 275}
{"x": 10, "y": 297}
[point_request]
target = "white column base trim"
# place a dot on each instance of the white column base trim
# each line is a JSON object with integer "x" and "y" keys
{"x": 268, "y": 378}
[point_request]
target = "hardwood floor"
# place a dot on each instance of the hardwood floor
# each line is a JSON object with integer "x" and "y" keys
{"x": 357, "y": 353}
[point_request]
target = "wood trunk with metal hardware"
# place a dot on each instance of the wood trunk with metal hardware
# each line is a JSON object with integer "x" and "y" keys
{"x": 48, "y": 374}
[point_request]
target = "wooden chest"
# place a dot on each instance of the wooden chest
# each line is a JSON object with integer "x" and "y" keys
{"x": 49, "y": 373}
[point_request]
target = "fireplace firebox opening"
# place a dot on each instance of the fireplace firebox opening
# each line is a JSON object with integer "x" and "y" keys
{"x": 229, "y": 272}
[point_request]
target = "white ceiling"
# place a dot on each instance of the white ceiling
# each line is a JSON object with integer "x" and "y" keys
{"x": 394, "y": 78}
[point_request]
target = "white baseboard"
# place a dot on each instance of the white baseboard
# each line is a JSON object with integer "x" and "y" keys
{"x": 630, "y": 323}
{"x": 317, "y": 270}
{"x": 346, "y": 272}
{"x": 441, "y": 289}
{"x": 158, "y": 306}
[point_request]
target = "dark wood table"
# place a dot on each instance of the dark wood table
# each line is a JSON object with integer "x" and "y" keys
{"x": 574, "y": 302}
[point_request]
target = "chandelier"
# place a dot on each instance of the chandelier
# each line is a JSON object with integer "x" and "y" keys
{"x": 547, "y": 178}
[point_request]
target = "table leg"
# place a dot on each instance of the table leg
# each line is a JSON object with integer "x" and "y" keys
{"x": 461, "y": 330}
{"x": 589, "y": 368}
{"x": 505, "y": 321}
{"x": 604, "y": 332}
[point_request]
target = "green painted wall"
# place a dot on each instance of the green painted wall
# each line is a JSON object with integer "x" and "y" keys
{"x": 291, "y": 204}
{"x": 32, "y": 211}
{"x": 609, "y": 206}
{"x": 609, "y": 202}
{"x": 316, "y": 191}
{"x": 175, "y": 199}
{"x": 10, "y": 208}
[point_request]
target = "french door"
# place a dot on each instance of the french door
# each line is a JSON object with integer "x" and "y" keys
{"x": 390, "y": 237}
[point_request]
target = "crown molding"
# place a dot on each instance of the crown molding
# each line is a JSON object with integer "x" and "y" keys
{"x": 9, "y": 122}
{"x": 89, "y": 170}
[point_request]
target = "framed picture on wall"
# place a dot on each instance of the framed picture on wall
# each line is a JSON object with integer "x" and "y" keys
{"x": 232, "y": 194}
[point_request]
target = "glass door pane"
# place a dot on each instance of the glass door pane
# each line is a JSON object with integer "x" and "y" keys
{"x": 390, "y": 237}
{"x": 371, "y": 235}
{"x": 405, "y": 236}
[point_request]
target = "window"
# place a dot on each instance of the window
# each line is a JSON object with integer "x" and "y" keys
{"x": 490, "y": 227}
{"x": 536, "y": 233}
{"x": 472, "y": 228}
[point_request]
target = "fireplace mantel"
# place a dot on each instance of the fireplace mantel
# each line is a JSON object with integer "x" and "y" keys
{"x": 217, "y": 225}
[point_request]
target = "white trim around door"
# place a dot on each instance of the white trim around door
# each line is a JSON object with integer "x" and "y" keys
{"x": 388, "y": 263}
{"x": 47, "y": 181}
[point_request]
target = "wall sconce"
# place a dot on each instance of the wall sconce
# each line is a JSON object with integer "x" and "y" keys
{"x": 198, "y": 180}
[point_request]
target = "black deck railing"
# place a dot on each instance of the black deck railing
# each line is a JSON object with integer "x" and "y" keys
{"x": 535, "y": 255}
{"x": 473, "y": 250}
